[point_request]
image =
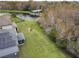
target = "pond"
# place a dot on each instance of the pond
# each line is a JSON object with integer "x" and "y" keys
{"x": 26, "y": 17}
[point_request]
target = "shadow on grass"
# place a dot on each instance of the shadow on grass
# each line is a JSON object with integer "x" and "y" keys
{"x": 62, "y": 48}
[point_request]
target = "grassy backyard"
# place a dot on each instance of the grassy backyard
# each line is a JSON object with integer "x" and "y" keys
{"x": 37, "y": 44}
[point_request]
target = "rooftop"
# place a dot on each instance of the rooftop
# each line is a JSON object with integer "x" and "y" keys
{"x": 38, "y": 10}
{"x": 8, "y": 42}
{"x": 5, "y": 20}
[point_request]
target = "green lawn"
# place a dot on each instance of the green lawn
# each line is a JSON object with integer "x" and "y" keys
{"x": 37, "y": 44}
{"x": 14, "y": 11}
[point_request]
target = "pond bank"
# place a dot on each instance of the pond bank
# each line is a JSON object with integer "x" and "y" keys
{"x": 26, "y": 17}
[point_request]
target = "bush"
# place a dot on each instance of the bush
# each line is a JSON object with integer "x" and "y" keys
{"x": 16, "y": 19}
{"x": 53, "y": 34}
{"x": 13, "y": 14}
{"x": 64, "y": 43}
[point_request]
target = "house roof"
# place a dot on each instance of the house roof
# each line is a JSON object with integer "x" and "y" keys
{"x": 38, "y": 10}
{"x": 8, "y": 42}
{"x": 8, "y": 51}
{"x": 5, "y": 20}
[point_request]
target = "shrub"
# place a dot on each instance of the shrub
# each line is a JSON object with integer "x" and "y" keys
{"x": 53, "y": 34}
{"x": 63, "y": 41}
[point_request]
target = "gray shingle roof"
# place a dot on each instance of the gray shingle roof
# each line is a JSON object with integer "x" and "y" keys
{"x": 8, "y": 42}
{"x": 8, "y": 51}
{"x": 6, "y": 39}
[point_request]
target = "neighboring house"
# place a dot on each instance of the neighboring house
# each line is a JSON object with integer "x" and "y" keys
{"x": 5, "y": 20}
{"x": 36, "y": 13}
{"x": 9, "y": 40}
